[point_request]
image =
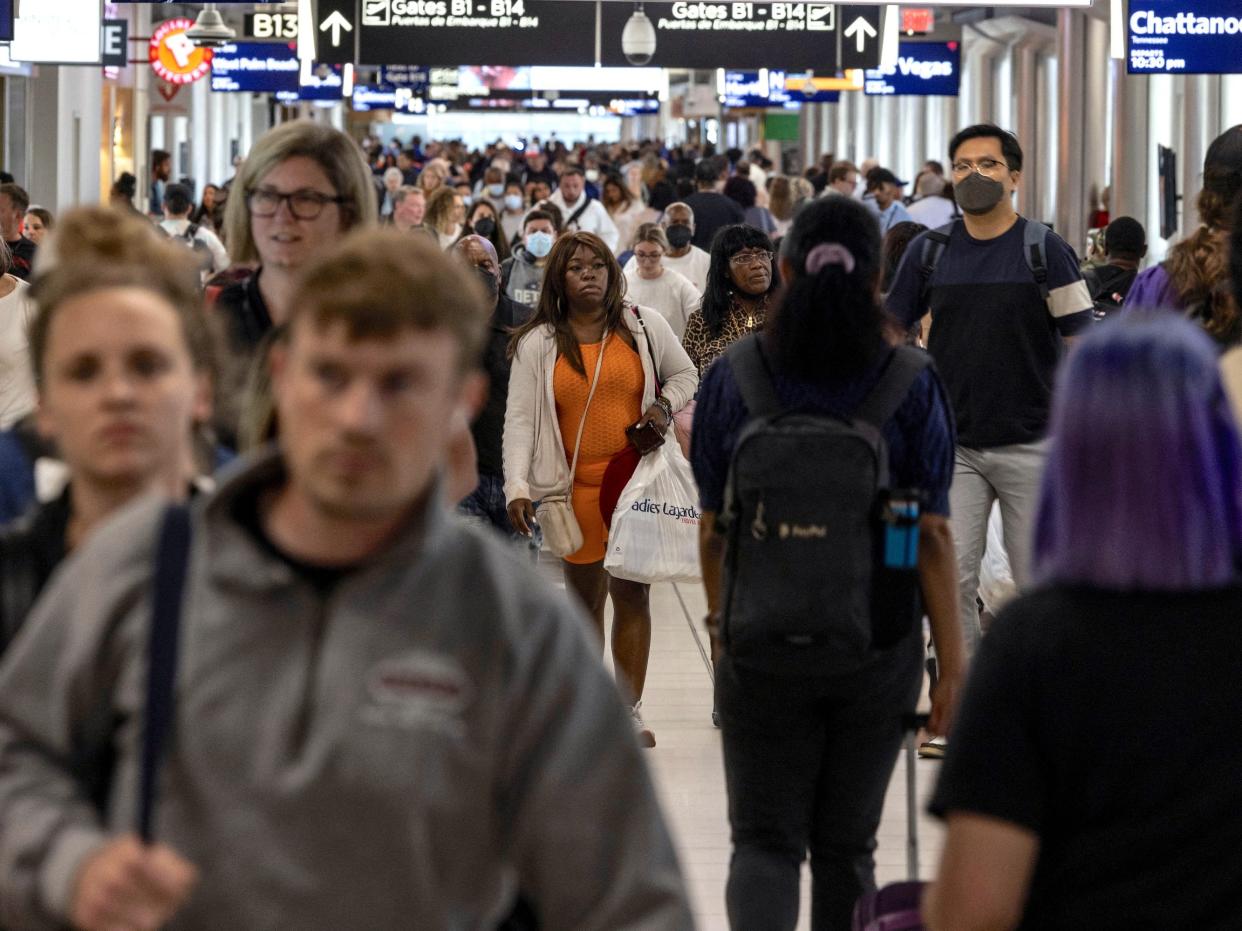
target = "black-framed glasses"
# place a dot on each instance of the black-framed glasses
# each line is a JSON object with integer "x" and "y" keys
{"x": 751, "y": 258}
{"x": 304, "y": 205}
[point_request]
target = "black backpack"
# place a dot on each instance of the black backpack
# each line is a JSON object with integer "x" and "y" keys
{"x": 1108, "y": 291}
{"x": 189, "y": 239}
{"x": 804, "y": 514}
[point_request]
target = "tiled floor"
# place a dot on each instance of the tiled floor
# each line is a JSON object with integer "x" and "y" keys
{"x": 687, "y": 767}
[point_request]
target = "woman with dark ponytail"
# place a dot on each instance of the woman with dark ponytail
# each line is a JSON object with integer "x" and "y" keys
{"x": 808, "y": 757}
{"x": 1194, "y": 278}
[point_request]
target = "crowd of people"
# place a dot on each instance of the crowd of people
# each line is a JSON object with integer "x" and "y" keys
{"x": 278, "y": 461}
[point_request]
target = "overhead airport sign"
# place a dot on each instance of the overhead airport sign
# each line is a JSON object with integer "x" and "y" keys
{"x": 114, "y": 43}
{"x": 477, "y": 32}
{"x": 65, "y": 32}
{"x": 334, "y": 31}
{"x": 6, "y": 20}
{"x": 409, "y": 76}
{"x": 731, "y": 35}
{"x": 922, "y": 69}
{"x": 1184, "y": 37}
{"x": 768, "y": 88}
{"x": 861, "y": 36}
{"x": 256, "y": 67}
{"x": 272, "y": 26}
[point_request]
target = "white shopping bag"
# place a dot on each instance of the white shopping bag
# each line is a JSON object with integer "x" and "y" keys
{"x": 655, "y": 527}
{"x": 996, "y": 585}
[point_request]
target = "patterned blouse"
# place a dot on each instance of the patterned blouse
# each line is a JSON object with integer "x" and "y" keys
{"x": 704, "y": 348}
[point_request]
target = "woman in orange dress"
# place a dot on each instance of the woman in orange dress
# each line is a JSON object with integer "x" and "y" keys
{"x": 583, "y": 326}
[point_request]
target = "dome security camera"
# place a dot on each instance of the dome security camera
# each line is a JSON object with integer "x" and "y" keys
{"x": 209, "y": 29}
{"x": 638, "y": 39}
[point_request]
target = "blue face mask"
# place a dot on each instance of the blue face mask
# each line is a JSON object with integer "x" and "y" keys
{"x": 495, "y": 189}
{"x": 467, "y": 199}
{"x": 539, "y": 244}
{"x": 513, "y": 202}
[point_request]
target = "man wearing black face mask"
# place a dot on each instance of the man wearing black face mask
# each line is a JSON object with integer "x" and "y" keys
{"x": 683, "y": 257}
{"x": 487, "y": 502}
{"x": 1004, "y": 294}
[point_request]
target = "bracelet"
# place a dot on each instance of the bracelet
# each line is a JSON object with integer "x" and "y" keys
{"x": 666, "y": 407}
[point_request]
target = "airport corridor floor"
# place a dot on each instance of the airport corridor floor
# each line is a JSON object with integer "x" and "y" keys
{"x": 686, "y": 762}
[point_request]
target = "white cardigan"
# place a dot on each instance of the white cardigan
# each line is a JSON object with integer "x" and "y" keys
{"x": 533, "y": 450}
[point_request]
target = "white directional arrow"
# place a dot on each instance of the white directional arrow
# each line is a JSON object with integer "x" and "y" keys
{"x": 863, "y": 30}
{"x": 336, "y": 22}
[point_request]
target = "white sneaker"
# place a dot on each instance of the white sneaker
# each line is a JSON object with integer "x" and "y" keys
{"x": 934, "y": 749}
{"x": 645, "y": 737}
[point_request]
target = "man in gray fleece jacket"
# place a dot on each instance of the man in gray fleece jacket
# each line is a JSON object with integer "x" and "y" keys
{"x": 383, "y": 719}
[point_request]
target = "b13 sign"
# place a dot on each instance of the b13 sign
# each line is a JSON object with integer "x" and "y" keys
{"x": 1184, "y": 37}
{"x": 923, "y": 69}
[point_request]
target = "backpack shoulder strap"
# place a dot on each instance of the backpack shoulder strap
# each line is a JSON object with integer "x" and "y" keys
{"x": 1034, "y": 249}
{"x": 573, "y": 217}
{"x": 750, "y": 371}
{"x": 171, "y": 559}
{"x": 934, "y": 245}
{"x": 191, "y": 232}
{"x": 903, "y": 367}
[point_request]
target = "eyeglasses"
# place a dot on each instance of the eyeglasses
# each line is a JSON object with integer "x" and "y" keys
{"x": 304, "y": 205}
{"x": 751, "y": 258}
{"x": 648, "y": 256}
{"x": 577, "y": 269}
{"x": 986, "y": 166}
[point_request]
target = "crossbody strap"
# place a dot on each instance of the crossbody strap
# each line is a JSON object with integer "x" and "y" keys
{"x": 171, "y": 559}
{"x": 599, "y": 365}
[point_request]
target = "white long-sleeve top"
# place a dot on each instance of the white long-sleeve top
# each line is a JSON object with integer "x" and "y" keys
{"x": 594, "y": 219}
{"x": 533, "y": 451}
{"x": 671, "y": 294}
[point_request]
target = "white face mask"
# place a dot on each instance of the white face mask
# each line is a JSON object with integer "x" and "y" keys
{"x": 592, "y": 175}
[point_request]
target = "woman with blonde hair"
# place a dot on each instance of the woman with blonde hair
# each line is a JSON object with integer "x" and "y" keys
{"x": 303, "y": 186}
{"x": 781, "y": 203}
{"x": 446, "y": 214}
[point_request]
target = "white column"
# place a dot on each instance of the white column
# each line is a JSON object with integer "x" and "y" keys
{"x": 1132, "y": 146}
{"x": 1092, "y": 142}
{"x": 1201, "y": 110}
{"x": 1072, "y": 206}
{"x": 203, "y": 129}
{"x": 1231, "y": 100}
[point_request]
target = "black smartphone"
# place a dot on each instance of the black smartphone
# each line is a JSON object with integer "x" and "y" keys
{"x": 646, "y": 438}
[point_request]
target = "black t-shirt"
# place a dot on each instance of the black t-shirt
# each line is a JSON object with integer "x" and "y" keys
{"x": 23, "y": 253}
{"x": 1108, "y": 724}
{"x": 711, "y": 212}
{"x": 247, "y": 512}
{"x": 996, "y": 341}
{"x": 245, "y": 312}
{"x": 488, "y": 428}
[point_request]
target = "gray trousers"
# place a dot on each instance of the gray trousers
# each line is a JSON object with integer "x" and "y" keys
{"x": 1010, "y": 475}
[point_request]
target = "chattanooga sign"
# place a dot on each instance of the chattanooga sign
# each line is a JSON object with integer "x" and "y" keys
{"x": 1184, "y": 37}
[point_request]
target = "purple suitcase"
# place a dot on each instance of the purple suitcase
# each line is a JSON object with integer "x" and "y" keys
{"x": 896, "y": 906}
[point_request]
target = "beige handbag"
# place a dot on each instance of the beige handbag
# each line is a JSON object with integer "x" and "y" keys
{"x": 555, "y": 513}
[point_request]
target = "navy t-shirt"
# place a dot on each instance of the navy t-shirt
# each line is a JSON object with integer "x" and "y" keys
{"x": 919, "y": 435}
{"x": 995, "y": 340}
{"x": 1107, "y": 724}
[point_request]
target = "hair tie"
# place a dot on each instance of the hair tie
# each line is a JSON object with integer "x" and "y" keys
{"x": 829, "y": 253}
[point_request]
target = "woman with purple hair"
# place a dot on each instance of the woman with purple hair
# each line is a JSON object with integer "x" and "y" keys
{"x": 1092, "y": 777}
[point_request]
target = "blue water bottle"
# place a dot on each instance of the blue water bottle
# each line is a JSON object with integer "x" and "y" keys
{"x": 901, "y": 530}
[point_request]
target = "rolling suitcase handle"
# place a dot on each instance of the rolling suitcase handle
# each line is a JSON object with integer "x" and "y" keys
{"x": 912, "y": 723}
